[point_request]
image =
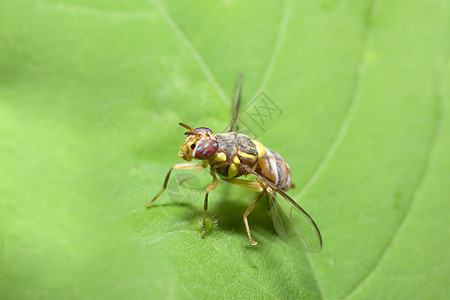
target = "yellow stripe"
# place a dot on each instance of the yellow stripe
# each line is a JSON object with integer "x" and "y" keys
{"x": 220, "y": 156}
{"x": 232, "y": 170}
{"x": 260, "y": 148}
{"x": 246, "y": 155}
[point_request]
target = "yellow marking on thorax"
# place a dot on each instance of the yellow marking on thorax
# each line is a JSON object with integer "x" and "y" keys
{"x": 220, "y": 156}
{"x": 260, "y": 148}
{"x": 246, "y": 155}
{"x": 234, "y": 167}
{"x": 232, "y": 170}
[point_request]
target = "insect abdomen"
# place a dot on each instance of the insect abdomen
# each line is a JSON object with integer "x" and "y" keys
{"x": 272, "y": 166}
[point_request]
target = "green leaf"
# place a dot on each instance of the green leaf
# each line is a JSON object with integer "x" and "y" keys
{"x": 90, "y": 96}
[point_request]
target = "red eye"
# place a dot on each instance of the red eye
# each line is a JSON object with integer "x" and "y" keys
{"x": 206, "y": 149}
{"x": 202, "y": 129}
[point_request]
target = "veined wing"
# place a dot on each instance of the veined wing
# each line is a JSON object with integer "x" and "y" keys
{"x": 293, "y": 224}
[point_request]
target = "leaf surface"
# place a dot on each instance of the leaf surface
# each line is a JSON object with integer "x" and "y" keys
{"x": 91, "y": 93}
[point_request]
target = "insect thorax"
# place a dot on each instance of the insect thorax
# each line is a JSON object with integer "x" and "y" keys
{"x": 234, "y": 149}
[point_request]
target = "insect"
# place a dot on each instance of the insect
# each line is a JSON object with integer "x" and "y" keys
{"x": 232, "y": 155}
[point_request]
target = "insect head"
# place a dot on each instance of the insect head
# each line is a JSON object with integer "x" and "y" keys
{"x": 200, "y": 144}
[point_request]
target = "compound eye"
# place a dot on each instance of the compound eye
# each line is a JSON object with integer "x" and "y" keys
{"x": 206, "y": 149}
{"x": 202, "y": 129}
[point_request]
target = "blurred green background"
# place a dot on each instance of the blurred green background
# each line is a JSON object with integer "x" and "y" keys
{"x": 90, "y": 96}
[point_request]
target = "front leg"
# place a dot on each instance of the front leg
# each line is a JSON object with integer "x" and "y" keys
{"x": 210, "y": 187}
{"x": 184, "y": 166}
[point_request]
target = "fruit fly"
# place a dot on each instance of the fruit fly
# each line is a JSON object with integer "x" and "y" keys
{"x": 232, "y": 155}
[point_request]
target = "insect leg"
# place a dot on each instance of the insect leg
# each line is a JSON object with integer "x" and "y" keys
{"x": 237, "y": 101}
{"x": 251, "y": 185}
{"x": 210, "y": 187}
{"x": 254, "y": 186}
{"x": 247, "y": 212}
{"x": 184, "y": 166}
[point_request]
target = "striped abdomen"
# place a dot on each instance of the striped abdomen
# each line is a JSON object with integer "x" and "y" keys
{"x": 272, "y": 166}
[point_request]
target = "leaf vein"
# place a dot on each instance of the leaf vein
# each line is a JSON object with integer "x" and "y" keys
{"x": 88, "y": 10}
{"x": 316, "y": 277}
{"x": 285, "y": 15}
{"x": 422, "y": 177}
{"x": 361, "y": 73}
{"x": 192, "y": 50}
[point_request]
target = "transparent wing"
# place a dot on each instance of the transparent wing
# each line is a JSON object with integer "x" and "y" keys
{"x": 236, "y": 102}
{"x": 294, "y": 226}
{"x": 186, "y": 186}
